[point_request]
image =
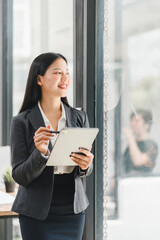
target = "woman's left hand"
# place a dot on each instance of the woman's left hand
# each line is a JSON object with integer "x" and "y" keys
{"x": 83, "y": 161}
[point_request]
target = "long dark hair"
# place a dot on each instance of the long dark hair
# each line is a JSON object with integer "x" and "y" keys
{"x": 38, "y": 67}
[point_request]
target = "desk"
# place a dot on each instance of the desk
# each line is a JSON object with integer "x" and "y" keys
{"x": 5, "y": 209}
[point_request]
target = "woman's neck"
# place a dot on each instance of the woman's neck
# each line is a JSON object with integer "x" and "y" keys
{"x": 51, "y": 105}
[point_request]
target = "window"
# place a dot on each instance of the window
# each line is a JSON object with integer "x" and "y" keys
{"x": 133, "y": 52}
{"x": 39, "y": 26}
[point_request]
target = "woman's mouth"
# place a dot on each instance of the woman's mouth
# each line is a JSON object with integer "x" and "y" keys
{"x": 63, "y": 86}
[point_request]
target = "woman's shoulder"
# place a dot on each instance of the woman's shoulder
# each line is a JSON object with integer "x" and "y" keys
{"x": 21, "y": 117}
{"x": 82, "y": 118}
{"x": 80, "y": 113}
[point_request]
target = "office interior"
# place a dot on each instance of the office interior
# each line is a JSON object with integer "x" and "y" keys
{"x": 113, "y": 53}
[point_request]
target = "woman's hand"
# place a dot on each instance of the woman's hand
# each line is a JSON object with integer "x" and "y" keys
{"x": 42, "y": 137}
{"x": 83, "y": 161}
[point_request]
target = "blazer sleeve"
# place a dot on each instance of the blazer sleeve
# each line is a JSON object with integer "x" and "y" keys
{"x": 88, "y": 171}
{"x": 26, "y": 167}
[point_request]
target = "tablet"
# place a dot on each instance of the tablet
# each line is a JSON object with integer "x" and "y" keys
{"x": 69, "y": 140}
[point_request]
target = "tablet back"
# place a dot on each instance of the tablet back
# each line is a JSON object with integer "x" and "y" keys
{"x": 69, "y": 140}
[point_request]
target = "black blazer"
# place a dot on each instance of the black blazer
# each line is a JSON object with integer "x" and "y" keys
{"x": 35, "y": 179}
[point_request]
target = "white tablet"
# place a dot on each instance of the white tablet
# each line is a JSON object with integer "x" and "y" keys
{"x": 69, "y": 140}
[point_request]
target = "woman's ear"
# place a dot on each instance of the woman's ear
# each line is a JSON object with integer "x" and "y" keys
{"x": 39, "y": 82}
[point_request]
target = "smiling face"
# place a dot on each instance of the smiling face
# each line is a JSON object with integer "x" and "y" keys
{"x": 56, "y": 79}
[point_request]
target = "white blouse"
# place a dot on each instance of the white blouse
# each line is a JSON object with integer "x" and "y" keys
{"x": 61, "y": 125}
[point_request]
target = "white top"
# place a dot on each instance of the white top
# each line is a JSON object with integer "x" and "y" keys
{"x": 61, "y": 125}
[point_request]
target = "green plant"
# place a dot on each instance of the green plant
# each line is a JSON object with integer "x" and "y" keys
{"x": 7, "y": 175}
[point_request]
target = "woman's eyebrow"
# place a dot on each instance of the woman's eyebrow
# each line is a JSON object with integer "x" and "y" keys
{"x": 56, "y": 68}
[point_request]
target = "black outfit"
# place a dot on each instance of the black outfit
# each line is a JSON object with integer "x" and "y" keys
{"x": 147, "y": 146}
{"x": 61, "y": 223}
{"x": 63, "y": 194}
{"x": 51, "y": 206}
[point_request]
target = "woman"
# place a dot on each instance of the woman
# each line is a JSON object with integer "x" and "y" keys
{"x": 51, "y": 201}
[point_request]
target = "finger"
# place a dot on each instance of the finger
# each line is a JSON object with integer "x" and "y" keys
{"x": 43, "y": 133}
{"x": 42, "y": 137}
{"x": 81, "y": 161}
{"x": 42, "y": 129}
{"x": 85, "y": 151}
{"x": 82, "y": 166}
{"x": 42, "y": 142}
{"x": 90, "y": 148}
{"x": 49, "y": 126}
{"x": 79, "y": 156}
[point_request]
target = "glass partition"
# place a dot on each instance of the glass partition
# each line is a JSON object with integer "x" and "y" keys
{"x": 133, "y": 53}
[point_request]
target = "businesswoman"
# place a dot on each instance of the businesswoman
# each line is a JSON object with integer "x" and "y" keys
{"x": 51, "y": 201}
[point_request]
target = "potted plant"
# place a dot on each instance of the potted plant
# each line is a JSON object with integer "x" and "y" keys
{"x": 8, "y": 180}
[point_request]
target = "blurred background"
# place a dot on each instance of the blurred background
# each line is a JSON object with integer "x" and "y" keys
{"x": 113, "y": 53}
{"x": 133, "y": 52}
{"x": 39, "y": 26}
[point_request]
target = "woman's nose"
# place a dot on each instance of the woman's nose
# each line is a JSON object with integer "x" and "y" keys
{"x": 64, "y": 77}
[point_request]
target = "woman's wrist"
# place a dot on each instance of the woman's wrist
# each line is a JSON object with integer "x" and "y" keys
{"x": 46, "y": 153}
{"x": 82, "y": 170}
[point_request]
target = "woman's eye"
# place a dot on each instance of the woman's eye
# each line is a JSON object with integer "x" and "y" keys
{"x": 57, "y": 73}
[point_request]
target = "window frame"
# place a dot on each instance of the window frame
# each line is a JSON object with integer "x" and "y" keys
{"x": 6, "y": 69}
{"x": 89, "y": 96}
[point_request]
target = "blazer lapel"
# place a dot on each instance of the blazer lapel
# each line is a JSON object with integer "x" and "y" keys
{"x": 37, "y": 121}
{"x": 36, "y": 118}
{"x": 71, "y": 117}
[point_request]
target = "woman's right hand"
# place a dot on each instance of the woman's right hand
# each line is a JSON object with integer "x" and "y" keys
{"x": 42, "y": 137}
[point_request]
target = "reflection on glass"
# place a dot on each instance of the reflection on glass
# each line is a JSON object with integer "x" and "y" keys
{"x": 133, "y": 119}
{"x": 141, "y": 153}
